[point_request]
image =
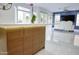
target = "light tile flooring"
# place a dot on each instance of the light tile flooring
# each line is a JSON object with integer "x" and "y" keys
{"x": 63, "y": 46}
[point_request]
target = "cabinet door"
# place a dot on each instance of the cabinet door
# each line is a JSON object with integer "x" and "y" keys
{"x": 15, "y": 41}
{"x": 35, "y": 40}
{"x": 41, "y": 37}
{"x": 38, "y": 38}
{"x": 27, "y": 41}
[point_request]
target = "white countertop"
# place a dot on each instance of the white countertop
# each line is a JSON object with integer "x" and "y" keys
{"x": 18, "y": 26}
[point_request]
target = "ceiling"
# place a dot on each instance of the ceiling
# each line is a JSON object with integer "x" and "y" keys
{"x": 55, "y": 7}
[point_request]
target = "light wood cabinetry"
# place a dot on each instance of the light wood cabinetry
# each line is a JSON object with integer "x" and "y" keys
{"x": 23, "y": 40}
{"x": 38, "y": 39}
{"x": 28, "y": 40}
{"x": 15, "y": 41}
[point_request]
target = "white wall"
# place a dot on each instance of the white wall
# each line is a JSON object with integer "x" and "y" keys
{"x": 7, "y": 16}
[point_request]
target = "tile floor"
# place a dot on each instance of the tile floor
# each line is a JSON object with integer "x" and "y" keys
{"x": 61, "y": 43}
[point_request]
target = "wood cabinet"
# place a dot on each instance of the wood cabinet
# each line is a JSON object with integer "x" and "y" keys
{"x": 38, "y": 39}
{"x": 15, "y": 41}
{"x": 24, "y": 40}
{"x": 28, "y": 41}
{"x": 34, "y": 39}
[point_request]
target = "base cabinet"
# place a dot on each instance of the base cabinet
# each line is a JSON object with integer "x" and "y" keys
{"x": 25, "y": 41}
{"x": 15, "y": 41}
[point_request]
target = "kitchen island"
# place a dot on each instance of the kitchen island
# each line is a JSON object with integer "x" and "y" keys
{"x": 21, "y": 40}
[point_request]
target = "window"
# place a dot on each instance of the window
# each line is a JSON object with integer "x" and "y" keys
{"x": 57, "y": 19}
{"x": 77, "y": 21}
{"x": 43, "y": 17}
{"x": 49, "y": 19}
{"x": 22, "y": 8}
{"x": 24, "y": 15}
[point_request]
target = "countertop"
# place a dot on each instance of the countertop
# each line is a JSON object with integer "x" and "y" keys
{"x": 19, "y": 26}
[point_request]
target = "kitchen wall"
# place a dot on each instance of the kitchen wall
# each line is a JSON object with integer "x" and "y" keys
{"x": 7, "y": 16}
